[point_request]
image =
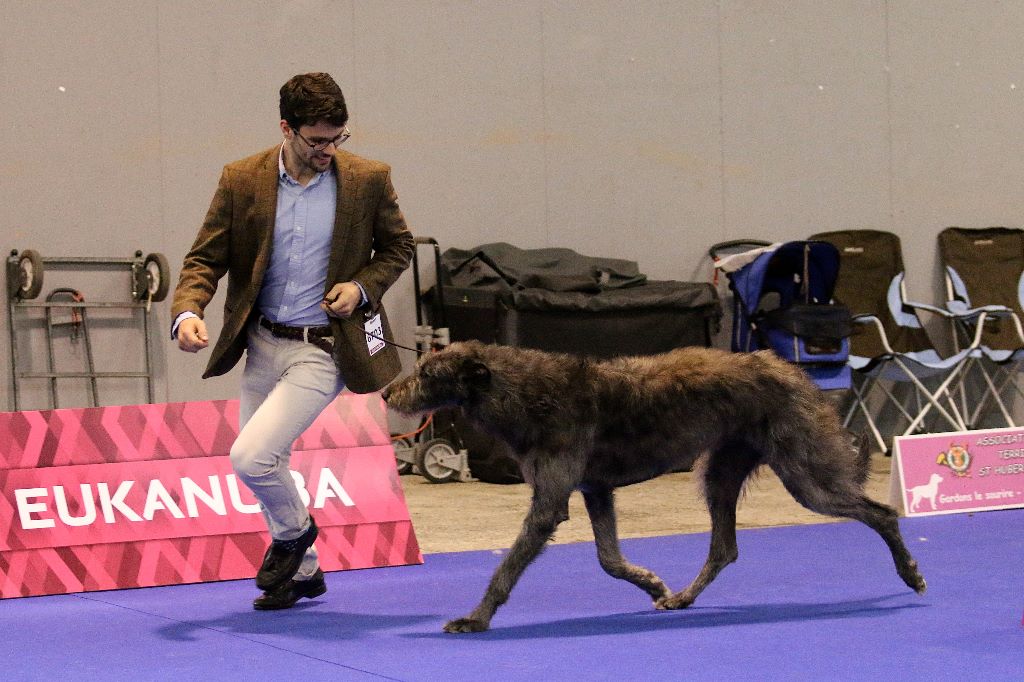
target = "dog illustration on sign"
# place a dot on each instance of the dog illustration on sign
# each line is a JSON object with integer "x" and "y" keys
{"x": 927, "y": 491}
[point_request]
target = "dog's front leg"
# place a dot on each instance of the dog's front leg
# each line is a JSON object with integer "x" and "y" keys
{"x": 601, "y": 508}
{"x": 547, "y": 510}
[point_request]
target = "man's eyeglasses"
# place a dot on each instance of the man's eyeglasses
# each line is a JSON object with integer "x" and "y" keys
{"x": 321, "y": 145}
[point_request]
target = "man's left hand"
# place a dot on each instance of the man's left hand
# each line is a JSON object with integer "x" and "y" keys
{"x": 342, "y": 300}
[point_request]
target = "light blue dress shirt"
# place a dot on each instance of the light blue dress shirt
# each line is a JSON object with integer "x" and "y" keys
{"x": 293, "y": 285}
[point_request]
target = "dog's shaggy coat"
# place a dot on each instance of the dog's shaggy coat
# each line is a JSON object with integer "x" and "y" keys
{"x": 592, "y": 426}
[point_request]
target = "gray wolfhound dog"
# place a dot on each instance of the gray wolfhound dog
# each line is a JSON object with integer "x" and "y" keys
{"x": 592, "y": 426}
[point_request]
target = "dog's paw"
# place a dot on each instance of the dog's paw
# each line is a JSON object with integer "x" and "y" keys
{"x": 673, "y": 602}
{"x": 917, "y": 584}
{"x": 913, "y": 578}
{"x": 465, "y": 625}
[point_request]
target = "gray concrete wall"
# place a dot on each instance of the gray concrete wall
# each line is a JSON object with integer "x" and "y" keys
{"x": 644, "y": 130}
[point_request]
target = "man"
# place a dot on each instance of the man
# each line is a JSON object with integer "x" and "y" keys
{"x": 310, "y": 237}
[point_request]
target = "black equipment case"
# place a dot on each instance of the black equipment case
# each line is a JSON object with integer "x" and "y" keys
{"x": 555, "y": 299}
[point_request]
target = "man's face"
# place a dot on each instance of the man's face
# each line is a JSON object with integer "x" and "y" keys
{"x": 319, "y": 135}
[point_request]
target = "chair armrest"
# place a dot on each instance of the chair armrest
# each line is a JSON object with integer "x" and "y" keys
{"x": 974, "y": 318}
{"x": 977, "y": 316}
{"x": 942, "y": 312}
{"x": 960, "y": 309}
{"x": 1000, "y": 311}
{"x": 872, "y": 320}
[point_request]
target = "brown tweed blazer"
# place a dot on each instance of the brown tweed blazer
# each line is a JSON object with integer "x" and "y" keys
{"x": 371, "y": 245}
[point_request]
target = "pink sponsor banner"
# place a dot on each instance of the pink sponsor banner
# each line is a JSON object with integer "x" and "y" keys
{"x": 106, "y": 498}
{"x": 945, "y": 473}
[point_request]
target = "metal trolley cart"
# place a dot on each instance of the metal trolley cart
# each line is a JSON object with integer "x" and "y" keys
{"x": 435, "y": 449}
{"x": 150, "y": 281}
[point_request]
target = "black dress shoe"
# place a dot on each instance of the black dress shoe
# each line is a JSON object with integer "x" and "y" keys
{"x": 292, "y": 591}
{"x": 283, "y": 559}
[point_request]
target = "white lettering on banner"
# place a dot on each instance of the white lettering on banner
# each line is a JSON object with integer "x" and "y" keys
{"x": 108, "y": 503}
{"x": 26, "y": 508}
{"x": 33, "y": 510}
{"x": 89, "y": 513}
{"x": 157, "y": 497}
{"x": 330, "y": 486}
{"x": 214, "y": 499}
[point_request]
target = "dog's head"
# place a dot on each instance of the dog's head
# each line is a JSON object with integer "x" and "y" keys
{"x": 448, "y": 378}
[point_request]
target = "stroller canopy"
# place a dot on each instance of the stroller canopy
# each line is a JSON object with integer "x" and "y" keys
{"x": 799, "y": 272}
{"x": 783, "y": 301}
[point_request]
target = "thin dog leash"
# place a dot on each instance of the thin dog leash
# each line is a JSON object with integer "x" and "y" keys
{"x": 380, "y": 338}
{"x": 349, "y": 320}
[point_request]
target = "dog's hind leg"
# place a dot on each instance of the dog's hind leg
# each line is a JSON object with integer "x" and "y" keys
{"x": 549, "y": 507}
{"x": 845, "y": 498}
{"x": 884, "y": 521}
{"x": 601, "y": 508}
{"x": 727, "y": 469}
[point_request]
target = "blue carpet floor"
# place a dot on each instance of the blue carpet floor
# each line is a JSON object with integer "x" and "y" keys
{"x": 802, "y": 603}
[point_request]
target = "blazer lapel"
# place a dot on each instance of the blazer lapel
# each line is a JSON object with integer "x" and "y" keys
{"x": 265, "y": 212}
{"x": 345, "y": 178}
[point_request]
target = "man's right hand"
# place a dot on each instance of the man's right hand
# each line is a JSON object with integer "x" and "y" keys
{"x": 192, "y": 336}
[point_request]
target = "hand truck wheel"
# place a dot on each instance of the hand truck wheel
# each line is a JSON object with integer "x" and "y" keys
{"x": 30, "y": 274}
{"x": 157, "y": 277}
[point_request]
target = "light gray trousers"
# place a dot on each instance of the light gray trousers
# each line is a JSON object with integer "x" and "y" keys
{"x": 285, "y": 386}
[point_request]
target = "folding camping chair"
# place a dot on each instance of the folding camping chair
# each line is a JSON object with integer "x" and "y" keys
{"x": 985, "y": 276}
{"x": 889, "y": 345}
{"x": 782, "y": 301}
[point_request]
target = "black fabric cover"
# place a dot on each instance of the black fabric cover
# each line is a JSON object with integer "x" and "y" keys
{"x": 552, "y": 269}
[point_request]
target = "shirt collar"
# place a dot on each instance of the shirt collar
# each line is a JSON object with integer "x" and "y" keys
{"x": 282, "y": 172}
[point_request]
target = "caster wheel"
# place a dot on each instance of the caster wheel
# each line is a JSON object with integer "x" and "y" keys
{"x": 438, "y": 461}
{"x": 404, "y": 447}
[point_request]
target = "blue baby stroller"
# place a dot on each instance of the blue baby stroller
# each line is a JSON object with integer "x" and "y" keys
{"x": 782, "y": 301}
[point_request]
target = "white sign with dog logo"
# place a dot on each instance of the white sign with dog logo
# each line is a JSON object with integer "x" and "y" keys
{"x": 946, "y": 473}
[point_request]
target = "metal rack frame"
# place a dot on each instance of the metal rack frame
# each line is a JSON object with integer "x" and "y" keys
{"x": 149, "y": 283}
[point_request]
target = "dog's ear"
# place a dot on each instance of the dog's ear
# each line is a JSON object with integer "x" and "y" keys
{"x": 475, "y": 373}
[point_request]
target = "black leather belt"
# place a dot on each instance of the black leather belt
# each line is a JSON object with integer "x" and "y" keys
{"x": 318, "y": 336}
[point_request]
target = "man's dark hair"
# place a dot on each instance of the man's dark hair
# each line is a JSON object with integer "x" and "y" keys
{"x": 309, "y": 98}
